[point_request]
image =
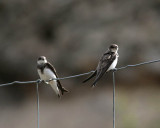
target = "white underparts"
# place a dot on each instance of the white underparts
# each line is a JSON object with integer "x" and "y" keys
{"x": 48, "y": 75}
{"x": 113, "y": 65}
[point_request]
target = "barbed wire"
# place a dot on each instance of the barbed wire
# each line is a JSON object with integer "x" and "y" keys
{"x": 73, "y": 76}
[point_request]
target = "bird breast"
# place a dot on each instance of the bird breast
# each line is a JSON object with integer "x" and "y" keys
{"x": 47, "y": 74}
{"x": 113, "y": 65}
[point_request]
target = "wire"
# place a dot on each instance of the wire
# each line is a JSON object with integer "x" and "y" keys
{"x": 135, "y": 65}
{"x": 37, "y": 84}
{"x": 113, "y": 99}
{"x": 39, "y": 81}
{"x": 68, "y": 77}
{"x": 20, "y": 82}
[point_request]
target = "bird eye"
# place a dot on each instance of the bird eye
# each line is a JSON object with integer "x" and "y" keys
{"x": 40, "y": 58}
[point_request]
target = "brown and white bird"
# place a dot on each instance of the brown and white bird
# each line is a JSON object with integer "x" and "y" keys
{"x": 107, "y": 62}
{"x": 47, "y": 72}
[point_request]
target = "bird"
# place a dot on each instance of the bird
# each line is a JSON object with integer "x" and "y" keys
{"x": 47, "y": 73}
{"x": 107, "y": 62}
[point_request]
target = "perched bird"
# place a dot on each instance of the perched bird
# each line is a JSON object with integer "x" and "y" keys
{"x": 47, "y": 72}
{"x": 107, "y": 62}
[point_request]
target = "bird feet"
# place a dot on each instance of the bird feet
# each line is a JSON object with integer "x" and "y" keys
{"x": 39, "y": 81}
{"x": 114, "y": 70}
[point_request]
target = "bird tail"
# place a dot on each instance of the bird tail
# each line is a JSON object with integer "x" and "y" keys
{"x": 63, "y": 90}
{"x": 98, "y": 77}
{"x": 55, "y": 88}
{"x": 91, "y": 76}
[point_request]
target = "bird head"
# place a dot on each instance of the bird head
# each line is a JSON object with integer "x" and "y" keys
{"x": 41, "y": 60}
{"x": 113, "y": 48}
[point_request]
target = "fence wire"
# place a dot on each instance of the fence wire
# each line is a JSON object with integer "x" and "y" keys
{"x": 37, "y": 82}
{"x": 114, "y": 99}
{"x": 37, "y": 85}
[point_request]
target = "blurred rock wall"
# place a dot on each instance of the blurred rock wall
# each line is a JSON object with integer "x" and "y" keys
{"x": 73, "y": 34}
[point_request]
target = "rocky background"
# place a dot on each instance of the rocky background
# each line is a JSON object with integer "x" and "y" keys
{"x": 73, "y": 34}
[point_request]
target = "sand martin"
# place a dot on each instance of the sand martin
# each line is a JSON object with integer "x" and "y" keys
{"x": 47, "y": 72}
{"x": 107, "y": 62}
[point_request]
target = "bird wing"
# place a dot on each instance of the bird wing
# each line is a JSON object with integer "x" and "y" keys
{"x": 62, "y": 89}
{"x": 50, "y": 66}
{"x": 91, "y": 76}
{"x": 104, "y": 63}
